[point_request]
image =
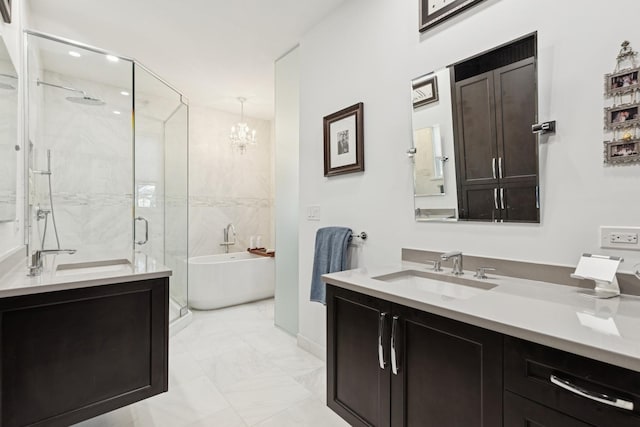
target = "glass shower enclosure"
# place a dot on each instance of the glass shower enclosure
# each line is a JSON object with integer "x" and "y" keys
{"x": 107, "y": 159}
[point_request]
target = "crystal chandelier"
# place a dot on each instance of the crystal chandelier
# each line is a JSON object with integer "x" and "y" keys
{"x": 241, "y": 136}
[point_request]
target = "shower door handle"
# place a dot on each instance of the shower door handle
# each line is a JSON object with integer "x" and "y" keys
{"x": 146, "y": 231}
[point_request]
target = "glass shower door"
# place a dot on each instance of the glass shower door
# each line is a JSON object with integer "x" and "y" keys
{"x": 161, "y": 163}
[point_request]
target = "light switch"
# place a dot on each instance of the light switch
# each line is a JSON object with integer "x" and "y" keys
{"x": 313, "y": 213}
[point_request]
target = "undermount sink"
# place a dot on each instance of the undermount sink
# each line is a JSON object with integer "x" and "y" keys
{"x": 442, "y": 284}
{"x": 93, "y": 267}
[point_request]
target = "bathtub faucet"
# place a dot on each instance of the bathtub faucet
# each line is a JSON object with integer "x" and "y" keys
{"x": 228, "y": 242}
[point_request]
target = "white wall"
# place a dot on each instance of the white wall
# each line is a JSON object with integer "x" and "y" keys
{"x": 287, "y": 144}
{"x": 12, "y": 233}
{"x": 370, "y": 50}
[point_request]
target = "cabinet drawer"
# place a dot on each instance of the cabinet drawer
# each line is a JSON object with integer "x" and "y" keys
{"x": 529, "y": 367}
{"x": 519, "y": 412}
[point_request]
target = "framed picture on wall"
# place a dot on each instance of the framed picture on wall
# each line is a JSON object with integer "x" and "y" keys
{"x": 5, "y": 10}
{"x": 622, "y": 116}
{"x": 622, "y": 151}
{"x": 622, "y": 82}
{"x": 344, "y": 141}
{"x": 424, "y": 90}
{"x": 433, "y": 12}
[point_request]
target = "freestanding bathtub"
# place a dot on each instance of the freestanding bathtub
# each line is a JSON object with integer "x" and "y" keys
{"x": 217, "y": 281}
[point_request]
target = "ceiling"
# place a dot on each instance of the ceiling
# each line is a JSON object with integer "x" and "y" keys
{"x": 213, "y": 51}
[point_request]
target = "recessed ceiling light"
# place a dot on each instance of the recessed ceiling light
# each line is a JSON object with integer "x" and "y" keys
{"x": 74, "y": 54}
{"x": 112, "y": 58}
{"x": 116, "y": 112}
{"x": 124, "y": 93}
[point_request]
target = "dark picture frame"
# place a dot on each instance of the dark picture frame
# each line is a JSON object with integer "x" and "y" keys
{"x": 622, "y": 151}
{"x": 424, "y": 90}
{"x": 344, "y": 141}
{"x": 622, "y": 82}
{"x": 5, "y": 10}
{"x": 622, "y": 116}
{"x": 433, "y": 13}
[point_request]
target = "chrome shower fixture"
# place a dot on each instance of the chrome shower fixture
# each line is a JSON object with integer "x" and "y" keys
{"x": 84, "y": 99}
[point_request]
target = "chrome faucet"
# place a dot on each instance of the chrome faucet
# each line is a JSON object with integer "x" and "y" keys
{"x": 227, "y": 242}
{"x": 457, "y": 261}
{"x": 35, "y": 269}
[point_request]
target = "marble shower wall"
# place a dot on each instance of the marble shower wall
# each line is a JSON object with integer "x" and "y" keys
{"x": 226, "y": 186}
{"x": 92, "y": 168}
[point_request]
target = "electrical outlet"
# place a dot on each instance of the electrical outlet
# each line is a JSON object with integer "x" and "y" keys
{"x": 313, "y": 213}
{"x": 620, "y": 238}
{"x": 623, "y": 238}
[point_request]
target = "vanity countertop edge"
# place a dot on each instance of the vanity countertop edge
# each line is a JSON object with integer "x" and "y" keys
{"x": 540, "y": 312}
{"x": 17, "y": 283}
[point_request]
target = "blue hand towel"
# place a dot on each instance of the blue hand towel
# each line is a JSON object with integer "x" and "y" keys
{"x": 330, "y": 256}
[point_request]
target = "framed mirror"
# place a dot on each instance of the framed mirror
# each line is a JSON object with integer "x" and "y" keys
{"x": 474, "y": 145}
{"x": 8, "y": 135}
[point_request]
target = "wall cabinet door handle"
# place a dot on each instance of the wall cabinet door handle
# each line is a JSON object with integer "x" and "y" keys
{"x": 381, "y": 322}
{"x": 495, "y": 198}
{"x": 598, "y": 397}
{"x": 500, "y": 167}
{"x": 394, "y": 354}
{"x": 501, "y": 198}
{"x": 493, "y": 167}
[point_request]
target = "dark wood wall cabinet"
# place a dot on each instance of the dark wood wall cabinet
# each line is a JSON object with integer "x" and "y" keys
{"x": 391, "y": 365}
{"x": 496, "y": 152}
{"x": 67, "y": 356}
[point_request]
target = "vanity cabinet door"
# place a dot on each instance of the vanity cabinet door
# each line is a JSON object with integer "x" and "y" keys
{"x": 449, "y": 373}
{"x": 358, "y": 389}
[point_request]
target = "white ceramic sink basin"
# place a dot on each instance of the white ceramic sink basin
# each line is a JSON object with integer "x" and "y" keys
{"x": 442, "y": 284}
{"x": 93, "y": 267}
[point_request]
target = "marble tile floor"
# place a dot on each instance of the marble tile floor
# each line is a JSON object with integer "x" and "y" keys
{"x": 233, "y": 368}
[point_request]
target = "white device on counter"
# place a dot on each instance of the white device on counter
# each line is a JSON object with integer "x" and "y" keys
{"x": 601, "y": 269}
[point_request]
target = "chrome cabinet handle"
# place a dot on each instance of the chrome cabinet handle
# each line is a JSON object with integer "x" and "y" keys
{"x": 394, "y": 355}
{"x": 537, "y": 197}
{"x": 495, "y": 198}
{"x": 381, "y": 322}
{"x": 500, "y": 167}
{"x": 146, "y": 231}
{"x": 493, "y": 167}
{"x": 501, "y": 198}
{"x": 598, "y": 397}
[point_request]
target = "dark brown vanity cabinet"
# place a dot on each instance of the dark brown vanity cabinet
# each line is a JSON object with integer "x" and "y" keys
{"x": 70, "y": 355}
{"x": 391, "y": 365}
{"x": 496, "y": 152}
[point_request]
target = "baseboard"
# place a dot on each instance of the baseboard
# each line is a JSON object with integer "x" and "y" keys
{"x": 306, "y": 344}
{"x": 180, "y": 323}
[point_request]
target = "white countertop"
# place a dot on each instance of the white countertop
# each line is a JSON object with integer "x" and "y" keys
{"x": 16, "y": 282}
{"x": 549, "y": 314}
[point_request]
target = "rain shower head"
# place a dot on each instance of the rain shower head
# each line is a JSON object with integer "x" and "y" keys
{"x": 84, "y": 99}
